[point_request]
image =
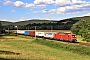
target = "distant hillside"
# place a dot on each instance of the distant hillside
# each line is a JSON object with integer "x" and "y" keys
{"x": 69, "y": 20}
{"x": 64, "y": 24}
{"x": 74, "y": 20}
{"x": 81, "y": 18}
{"x": 4, "y": 23}
{"x": 31, "y": 22}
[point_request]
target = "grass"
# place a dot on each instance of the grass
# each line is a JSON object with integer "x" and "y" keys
{"x": 80, "y": 39}
{"x": 67, "y": 47}
{"x": 27, "y": 48}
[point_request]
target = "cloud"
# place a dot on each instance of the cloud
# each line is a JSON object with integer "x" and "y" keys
{"x": 43, "y": 2}
{"x": 3, "y": 19}
{"x": 73, "y": 8}
{"x": 18, "y": 4}
{"x": 44, "y": 11}
{"x": 27, "y": 13}
{"x": 13, "y": 11}
{"x": 22, "y": 19}
{"x": 78, "y": 1}
{"x": 59, "y": 6}
{"x": 7, "y": 2}
{"x": 62, "y": 2}
{"x": 61, "y": 10}
{"x": 41, "y": 6}
{"x": 29, "y": 5}
{"x": 36, "y": 12}
{"x": 87, "y": 14}
{"x": 52, "y": 11}
{"x": 8, "y": 20}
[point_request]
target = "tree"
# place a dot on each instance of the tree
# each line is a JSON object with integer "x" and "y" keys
{"x": 0, "y": 27}
{"x": 82, "y": 28}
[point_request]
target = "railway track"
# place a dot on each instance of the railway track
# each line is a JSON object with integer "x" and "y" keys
{"x": 65, "y": 42}
{"x": 79, "y": 43}
{"x": 76, "y": 43}
{"x": 85, "y": 44}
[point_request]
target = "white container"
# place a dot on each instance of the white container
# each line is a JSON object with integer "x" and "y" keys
{"x": 36, "y": 33}
{"x": 20, "y": 31}
{"x": 49, "y": 34}
{"x": 40, "y": 34}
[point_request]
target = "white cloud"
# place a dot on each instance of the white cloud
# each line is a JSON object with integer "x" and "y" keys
{"x": 3, "y": 19}
{"x": 22, "y": 19}
{"x": 52, "y": 11}
{"x": 29, "y": 5}
{"x": 36, "y": 12}
{"x": 41, "y": 6}
{"x": 61, "y": 10}
{"x": 64, "y": 6}
{"x": 43, "y": 2}
{"x": 78, "y": 1}
{"x": 62, "y": 2}
{"x": 44, "y": 11}
{"x": 88, "y": 14}
{"x": 10, "y": 20}
{"x": 73, "y": 8}
{"x": 27, "y": 13}
{"x": 13, "y": 11}
{"x": 18, "y": 4}
{"x": 7, "y": 2}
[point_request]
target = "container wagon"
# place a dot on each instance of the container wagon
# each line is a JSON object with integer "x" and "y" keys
{"x": 32, "y": 33}
{"x": 49, "y": 35}
{"x": 26, "y": 32}
{"x": 40, "y": 34}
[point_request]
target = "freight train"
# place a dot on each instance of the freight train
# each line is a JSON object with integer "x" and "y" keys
{"x": 50, "y": 35}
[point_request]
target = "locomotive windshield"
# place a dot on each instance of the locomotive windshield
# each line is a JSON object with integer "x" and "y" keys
{"x": 73, "y": 35}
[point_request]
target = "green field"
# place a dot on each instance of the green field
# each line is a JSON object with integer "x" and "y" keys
{"x": 27, "y": 48}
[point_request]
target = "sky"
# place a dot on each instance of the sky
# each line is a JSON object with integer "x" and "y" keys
{"x": 20, "y": 10}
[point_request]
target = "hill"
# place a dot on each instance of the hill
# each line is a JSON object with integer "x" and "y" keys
{"x": 69, "y": 20}
{"x": 64, "y": 24}
{"x": 31, "y": 22}
{"x": 5, "y": 23}
{"x": 74, "y": 19}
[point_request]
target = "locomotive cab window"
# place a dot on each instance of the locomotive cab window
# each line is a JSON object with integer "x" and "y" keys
{"x": 73, "y": 36}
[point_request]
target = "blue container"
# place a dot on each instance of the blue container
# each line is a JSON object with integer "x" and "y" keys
{"x": 26, "y": 32}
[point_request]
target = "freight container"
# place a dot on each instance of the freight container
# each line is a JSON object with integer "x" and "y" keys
{"x": 36, "y": 33}
{"x": 40, "y": 34}
{"x": 10, "y": 31}
{"x": 6, "y": 30}
{"x": 14, "y": 31}
{"x": 20, "y": 31}
{"x": 49, "y": 35}
{"x": 32, "y": 33}
{"x": 26, "y": 32}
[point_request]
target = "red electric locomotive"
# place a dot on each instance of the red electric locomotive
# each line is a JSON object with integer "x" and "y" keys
{"x": 65, "y": 37}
